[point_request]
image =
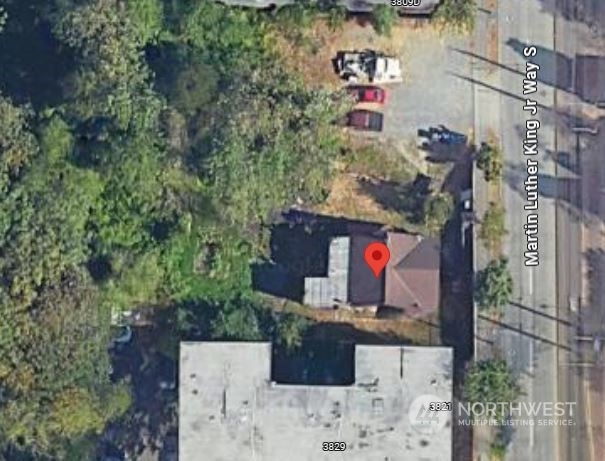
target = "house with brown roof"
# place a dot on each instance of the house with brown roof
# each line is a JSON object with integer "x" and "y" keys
{"x": 412, "y": 273}
{"x": 410, "y": 282}
{"x": 319, "y": 261}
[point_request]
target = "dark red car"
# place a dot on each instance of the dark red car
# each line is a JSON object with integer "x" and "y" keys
{"x": 367, "y": 93}
{"x": 368, "y": 120}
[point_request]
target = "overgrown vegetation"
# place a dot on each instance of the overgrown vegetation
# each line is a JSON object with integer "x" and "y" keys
{"x": 491, "y": 381}
{"x": 492, "y": 228}
{"x": 141, "y": 188}
{"x": 437, "y": 210}
{"x": 489, "y": 159}
{"x": 147, "y": 177}
{"x": 459, "y": 15}
{"x": 384, "y": 17}
{"x": 494, "y": 285}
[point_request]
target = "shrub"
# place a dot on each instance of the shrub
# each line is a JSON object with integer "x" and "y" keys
{"x": 491, "y": 381}
{"x": 437, "y": 210}
{"x": 457, "y": 14}
{"x": 489, "y": 159}
{"x": 494, "y": 285}
{"x": 492, "y": 227}
{"x": 384, "y": 19}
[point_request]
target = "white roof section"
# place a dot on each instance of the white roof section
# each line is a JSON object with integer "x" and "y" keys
{"x": 333, "y": 289}
{"x": 388, "y": 70}
{"x": 229, "y": 410}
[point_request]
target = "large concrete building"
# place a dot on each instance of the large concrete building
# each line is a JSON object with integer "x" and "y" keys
{"x": 231, "y": 410}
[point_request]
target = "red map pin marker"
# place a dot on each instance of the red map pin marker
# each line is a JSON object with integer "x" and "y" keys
{"x": 377, "y": 256}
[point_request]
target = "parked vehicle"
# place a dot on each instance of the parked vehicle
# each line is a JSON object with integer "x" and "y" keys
{"x": 367, "y": 65}
{"x": 367, "y": 93}
{"x": 367, "y": 120}
{"x": 445, "y": 136}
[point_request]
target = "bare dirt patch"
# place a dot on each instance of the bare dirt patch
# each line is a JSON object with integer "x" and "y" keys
{"x": 347, "y": 199}
{"x": 363, "y": 327}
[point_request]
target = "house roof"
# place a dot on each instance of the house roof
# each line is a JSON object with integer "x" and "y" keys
{"x": 231, "y": 409}
{"x": 412, "y": 273}
{"x": 331, "y": 290}
{"x": 365, "y": 289}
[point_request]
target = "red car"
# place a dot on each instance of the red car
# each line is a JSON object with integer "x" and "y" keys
{"x": 367, "y": 93}
{"x": 365, "y": 120}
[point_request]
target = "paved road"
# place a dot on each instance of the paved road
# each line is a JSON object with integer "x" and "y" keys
{"x": 527, "y": 334}
{"x": 529, "y": 337}
{"x": 581, "y": 242}
{"x": 540, "y": 329}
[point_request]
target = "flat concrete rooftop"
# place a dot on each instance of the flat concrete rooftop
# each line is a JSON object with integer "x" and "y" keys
{"x": 230, "y": 410}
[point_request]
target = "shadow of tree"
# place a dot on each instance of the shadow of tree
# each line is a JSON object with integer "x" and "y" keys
{"x": 33, "y": 64}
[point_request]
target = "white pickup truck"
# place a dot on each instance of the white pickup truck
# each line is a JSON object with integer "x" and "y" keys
{"x": 368, "y": 66}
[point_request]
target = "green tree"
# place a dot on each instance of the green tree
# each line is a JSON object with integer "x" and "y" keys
{"x": 278, "y": 135}
{"x": 437, "y": 210}
{"x": 55, "y": 377}
{"x": 238, "y": 319}
{"x": 44, "y": 228}
{"x": 17, "y": 143}
{"x": 195, "y": 86}
{"x": 494, "y": 285}
{"x": 232, "y": 41}
{"x": 147, "y": 17}
{"x": 290, "y": 329}
{"x": 112, "y": 80}
{"x": 489, "y": 159}
{"x": 457, "y": 14}
{"x": 384, "y": 18}
{"x": 491, "y": 381}
{"x": 134, "y": 283}
{"x": 492, "y": 226}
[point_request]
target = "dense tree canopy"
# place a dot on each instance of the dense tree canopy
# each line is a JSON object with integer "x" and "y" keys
{"x": 141, "y": 188}
{"x": 281, "y": 139}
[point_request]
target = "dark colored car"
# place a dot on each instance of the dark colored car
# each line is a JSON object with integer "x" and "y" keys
{"x": 368, "y": 120}
{"x": 445, "y": 136}
{"x": 367, "y": 93}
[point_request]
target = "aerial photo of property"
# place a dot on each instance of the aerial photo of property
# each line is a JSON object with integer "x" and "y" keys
{"x": 302, "y": 230}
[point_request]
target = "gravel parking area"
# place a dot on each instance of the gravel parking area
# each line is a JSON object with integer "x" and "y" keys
{"x": 432, "y": 93}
